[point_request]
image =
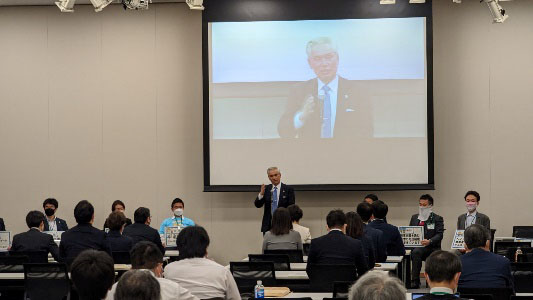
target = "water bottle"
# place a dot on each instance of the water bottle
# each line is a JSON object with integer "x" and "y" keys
{"x": 259, "y": 290}
{"x": 517, "y": 254}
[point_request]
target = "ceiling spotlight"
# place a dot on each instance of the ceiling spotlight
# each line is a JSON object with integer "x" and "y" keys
{"x": 100, "y": 4}
{"x": 498, "y": 13}
{"x": 195, "y": 4}
{"x": 66, "y": 5}
{"x": 136, "y": 4}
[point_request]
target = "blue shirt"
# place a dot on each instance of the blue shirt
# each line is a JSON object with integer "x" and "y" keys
{"x": 173, "y": 222}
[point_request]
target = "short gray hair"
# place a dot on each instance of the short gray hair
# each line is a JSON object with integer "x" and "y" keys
{"x": 273, "y": 169}
{"x": 377, "y": 285}
{"x": 323, "y": 40}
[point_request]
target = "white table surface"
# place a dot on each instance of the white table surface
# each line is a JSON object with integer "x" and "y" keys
{"x": 394, "y": 259}
{"x": 320, "y": 296}
{"x": 171, "y": 253}
{"x": 291, "y": 275}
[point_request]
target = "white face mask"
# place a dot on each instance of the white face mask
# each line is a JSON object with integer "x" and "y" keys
{"x": 178, "y": 212}
{"x": 424, "y": 212}
{"x": 471, "y": 207}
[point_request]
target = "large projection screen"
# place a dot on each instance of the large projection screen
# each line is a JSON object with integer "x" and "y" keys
{"x": 337, "y": 94}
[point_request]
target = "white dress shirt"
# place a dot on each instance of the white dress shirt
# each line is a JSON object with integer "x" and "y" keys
{"x": 52, "y": 225}
{"x": 278, "y": 191}
{"x": 470, "y": 219}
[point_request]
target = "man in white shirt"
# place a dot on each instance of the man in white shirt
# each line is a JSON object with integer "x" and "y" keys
{"x": 146, "y": 256}
{"x": 203, "y": 277}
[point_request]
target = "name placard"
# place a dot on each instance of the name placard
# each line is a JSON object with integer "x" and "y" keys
{"x": 55, "y": 234}
{"x": 5, "y": 240}
{"x": 171, "y": 234}
{"x": 412, "y": 236}
{"x": 458, "y": 240}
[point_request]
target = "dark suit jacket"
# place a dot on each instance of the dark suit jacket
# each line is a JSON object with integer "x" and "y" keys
{"x": 286, "y": 198}
{"x": 481, "y": 219}
{"x": 483, "y": 269}
{"x": 392, "y": 237}
{"x": 337, "y": 248}
{"x": 440, "y": 297}
{"x": 2, "y": 226}
{"x": 142, "y": 232}
{"x": 368, "y": 249}
{"x": 60, "y": 223}
{"x": 119, "y": 242}
{"x": 433, "y": 235}
{"x": 378, "y": 242}
{"x": 79, "y": 238}
{"x": 353, "y": 114}
{"x": 34, "y": 240}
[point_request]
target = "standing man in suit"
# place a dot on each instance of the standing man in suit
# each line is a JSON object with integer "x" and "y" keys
{"x": 141, "y": 230}
{"x": 53, "y": 223}
{"x": 326, "y": 106}
{"x": 82, "y": 236}
{"x": 364, "y": 210}
{"x": 2, "y": 226}
{"x": 34, "y": 239}
{"x": 472, "y": 216}
{"x": 391, "y": 234}
{"x": 277, "y": 195}
{"x": 433, "y": 234}
{"x": 337, "y": 248}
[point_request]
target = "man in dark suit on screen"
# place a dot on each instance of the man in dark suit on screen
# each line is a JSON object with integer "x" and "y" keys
{"x": 273, "y": 196}
{"x": 34, "y": 239}
{"x": 337, "y": 248}
{"x": 326, "y": 106}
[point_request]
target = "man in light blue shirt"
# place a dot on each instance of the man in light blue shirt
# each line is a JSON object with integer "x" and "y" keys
{"x": 177, "y": 219}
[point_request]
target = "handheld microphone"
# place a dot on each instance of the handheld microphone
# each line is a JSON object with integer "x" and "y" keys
{"x": 321, "y": 97}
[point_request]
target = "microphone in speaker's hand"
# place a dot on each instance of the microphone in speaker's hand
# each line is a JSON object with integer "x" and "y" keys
{"x": 308, "y": 108}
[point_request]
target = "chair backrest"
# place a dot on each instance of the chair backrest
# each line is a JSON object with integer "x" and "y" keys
{"x": 46, "y": 281}
{"x": 523, "y": 231}
{"x": 522, "y": 276}
{"x": 521, "y": 297}
{"x": 295, "y": 256}
{"x": 306, "y": 246}
{"x": 246, "y": 274}
{"x": 121, "y": 257}
{"x": 497, "y": 293}
{"x": 501, "y": 247}
{"x": 341, "y": 289}
{"x": 477, "y": 296}
{"x": 33, "y": 256}
{"x": 12, "y": 264}
{"x": 322, "y": 277}
{"x": 281, "y": 261}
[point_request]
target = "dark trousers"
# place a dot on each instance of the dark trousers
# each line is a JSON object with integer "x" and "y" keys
{"x": 418, "y": 255}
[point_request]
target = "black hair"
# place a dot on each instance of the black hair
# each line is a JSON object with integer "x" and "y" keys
{"x": 379, "y": 209}
{"x": 364, "y": 210}
{"x": 296, "y": 212}
{"x": 281, "y": 221}
{"x": 93, "y": 274}
{"x": 336, "y": 219}
{"x": 34, "y": 218}
{"x": 428, "y": 198}
{"x": 116, "y": 220}
{"x": 177, "y": 200}
{"x": 83, "y": 212}
{"x": 354, "y": 224}
{"x": 374, "y": 197}
{"x": 115, "y": 203}
{"x": 441, "y": 266}
{"x": 138, "y": 285}
{"x": 141, "y": 214}
{"x": 192, "y": 241}
{"x": 51, "y": 201}
{"x": 473, "y": 193}
{"x": 145, "y": 255}
{"x": 476, "y": 236}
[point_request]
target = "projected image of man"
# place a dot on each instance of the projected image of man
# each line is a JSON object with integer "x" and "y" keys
{"x": 322, "y": 107}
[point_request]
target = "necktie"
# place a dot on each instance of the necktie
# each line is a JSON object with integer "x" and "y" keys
{"x": 274, "y": 199}
{"x": 326, "y": 116}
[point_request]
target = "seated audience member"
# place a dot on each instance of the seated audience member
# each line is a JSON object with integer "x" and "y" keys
{"x": 118, "y": 206}
{"x": 53, "y": 223}
{"x": 296, "y": 215}
{"x": 354, "y": 229}
{"x": 442, "y": 273}
{"x": 177, "y": 206}
{"x": 34, "y": 239}
{"x": 82, "y": 236}
{"x": 281, "y": 235}
{"x": 138, "y": 285}
{"x": 482, "y": 268}
{"x": 433, "y": 232}
{"x": 391, "y": 234}
{"x": 203, "y": 277}
{"x": 118, "y": 242}
{"x": 146, "y": 256}
{"x": 364, "y": 210}
{"x": 376, "y": 285}
{"x": 335, "y": 247}
{"x": 141, "y": 230}
{"x": 92, "y": 274}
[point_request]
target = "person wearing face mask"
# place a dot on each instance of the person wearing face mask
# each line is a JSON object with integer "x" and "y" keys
{"x": 433, "y": 233}
{"x": 52, "y": 222}
{"x": 177, "y": 219}
{"x": 472, "y": 216}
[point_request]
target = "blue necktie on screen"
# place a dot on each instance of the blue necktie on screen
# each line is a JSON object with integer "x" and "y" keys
{"x": 274, "y": 199}
{"x": 326, "y": 116}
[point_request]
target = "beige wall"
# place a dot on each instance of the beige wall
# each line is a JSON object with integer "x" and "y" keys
{"x": 109, "y": 106}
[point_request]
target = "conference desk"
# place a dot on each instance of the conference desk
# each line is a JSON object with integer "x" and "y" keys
{"x": 298, "y": 272}
{"x": 20, "y": 275}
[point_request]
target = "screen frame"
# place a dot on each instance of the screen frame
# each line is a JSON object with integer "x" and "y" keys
{"x": 283, "y": 10}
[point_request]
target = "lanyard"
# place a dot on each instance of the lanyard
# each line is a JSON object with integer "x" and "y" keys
{"x": 473, "y": 220}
